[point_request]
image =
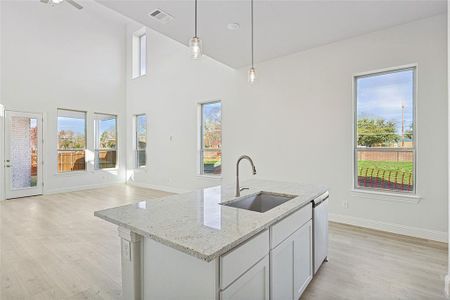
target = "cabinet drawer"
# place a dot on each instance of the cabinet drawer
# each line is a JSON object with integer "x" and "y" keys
{"x": 239, "y": 260}
{"x": 284, "y": 228}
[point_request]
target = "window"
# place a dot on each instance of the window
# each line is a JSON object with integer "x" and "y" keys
{"x": 71, "y": 140}
{"x": 141, "y": 140}
{"x": 143, "y": 54}
{"x": 105, "y": 127}
{"x": 139, "y": 53}
{"x": 385, "y": 131}
{"x": 211, "y": 138}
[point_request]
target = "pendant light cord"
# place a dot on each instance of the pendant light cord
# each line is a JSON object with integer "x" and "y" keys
{"x": 195, "y": 18}
{"x": 252, "y": 28}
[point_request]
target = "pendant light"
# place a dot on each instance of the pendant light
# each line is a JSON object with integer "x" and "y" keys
{"x": 195, "y": 43}
{"x": 252, "y": 72}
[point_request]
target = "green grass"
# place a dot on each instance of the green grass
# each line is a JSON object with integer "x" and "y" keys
{"x": 386, "y": 166}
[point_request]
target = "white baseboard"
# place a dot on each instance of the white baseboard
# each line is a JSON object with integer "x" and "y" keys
{"x": 433, "y": 235}
{"x": 164, "y": 188}
{"x": 82, "y": 187}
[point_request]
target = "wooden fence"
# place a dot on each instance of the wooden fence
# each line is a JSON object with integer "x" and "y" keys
{"x": 406, "y": 155}
{"x": 71, "y": 160}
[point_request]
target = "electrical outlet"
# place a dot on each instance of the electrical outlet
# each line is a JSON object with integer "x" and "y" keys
{"x": 345, "y": 204}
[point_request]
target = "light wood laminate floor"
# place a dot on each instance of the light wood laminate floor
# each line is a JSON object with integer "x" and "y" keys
{"x": 52, "y": 247}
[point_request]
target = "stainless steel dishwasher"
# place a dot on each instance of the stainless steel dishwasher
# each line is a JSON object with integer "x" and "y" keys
{"x": 320, "y": 225}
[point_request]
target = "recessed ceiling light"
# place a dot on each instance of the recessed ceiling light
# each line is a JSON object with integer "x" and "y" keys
{"x": 233, "y": 26}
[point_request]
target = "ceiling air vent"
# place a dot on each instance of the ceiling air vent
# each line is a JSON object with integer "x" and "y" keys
{"x": 161, "y": 16}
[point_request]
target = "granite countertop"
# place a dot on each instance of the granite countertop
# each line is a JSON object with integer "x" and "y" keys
{"x": 195, "y": 222}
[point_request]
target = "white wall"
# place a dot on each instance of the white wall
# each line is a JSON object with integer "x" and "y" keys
{"x": 296, "y": 120}
{"x": 297, "y": 123}
{"x": 169, "y": 94}
{"x": 61, "y": 57}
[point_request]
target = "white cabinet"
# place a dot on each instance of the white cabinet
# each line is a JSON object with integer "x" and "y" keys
{"x": 292, "y": 265}
{"x": 240, "y": 259}
{"x": 254, "y": 284}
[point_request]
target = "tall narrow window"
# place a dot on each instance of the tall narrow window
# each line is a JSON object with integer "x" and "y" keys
{"x": 385, "y": 131}
{"x": 141, "y": 140}
{"x": 211, "y": 138}
{"x": 139, "y": 53}
{"x": 71, "y": 140}
{"x": 105, "y": 127}
{"x": 143, "y": 54}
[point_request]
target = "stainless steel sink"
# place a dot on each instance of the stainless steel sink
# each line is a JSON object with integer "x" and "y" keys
{"x": 260, "y": 202}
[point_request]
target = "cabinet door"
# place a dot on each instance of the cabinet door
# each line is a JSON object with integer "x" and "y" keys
{"x": 254, "y": 284}
{"x": 303, "y": 259}
{"x": 291, "y": 265}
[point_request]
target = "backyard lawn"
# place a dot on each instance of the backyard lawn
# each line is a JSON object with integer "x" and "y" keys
{"x": 402, "y": 166}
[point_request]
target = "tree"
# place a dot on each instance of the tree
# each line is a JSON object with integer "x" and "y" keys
{"x": 409, "y": 132}
{"x": 376, "y": 132}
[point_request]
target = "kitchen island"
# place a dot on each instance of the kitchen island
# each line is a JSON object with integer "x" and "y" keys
{"x": 196, "y": 246}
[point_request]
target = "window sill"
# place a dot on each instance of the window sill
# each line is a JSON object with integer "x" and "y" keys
{"x": 143, "y": 168}
{"x": 384, "y": 196}
{"x": 107, "y": 169}
{"x": 210, "y": 176}
{"x": 138, "y": 76}
{"x": 72, "y": 173}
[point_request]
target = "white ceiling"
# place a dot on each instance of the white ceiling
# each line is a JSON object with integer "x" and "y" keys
{"x": 281, "y": 27}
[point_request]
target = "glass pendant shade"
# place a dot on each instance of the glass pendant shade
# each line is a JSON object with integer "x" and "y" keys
{"x": 196, "y": 47}
{"x": 251, "y": 75}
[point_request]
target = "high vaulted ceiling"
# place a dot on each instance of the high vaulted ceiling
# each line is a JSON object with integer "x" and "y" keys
{"x": 281, "y": 27}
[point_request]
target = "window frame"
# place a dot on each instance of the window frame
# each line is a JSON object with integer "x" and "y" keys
{"x": 355, "y": 148}
{"x": 200, "y": 156}
{"x": 97, "y": 140}
{"x": 85, "y": 141}
{"x": 139, "y": 39}
{"x": 135, "y": 144}
{"x": 142, "y": 54}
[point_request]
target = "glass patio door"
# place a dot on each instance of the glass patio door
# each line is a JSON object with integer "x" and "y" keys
{"x": 23, "y": 154}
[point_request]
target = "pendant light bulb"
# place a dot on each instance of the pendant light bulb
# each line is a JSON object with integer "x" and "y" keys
{"x": 251, "y": 75}
{"x": 252, "y": 72}
{"x": 195, "y": 43}
{"x": 196, "y": 47}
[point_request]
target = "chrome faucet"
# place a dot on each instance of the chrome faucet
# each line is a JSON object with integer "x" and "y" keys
{"x": 238, "y": 189}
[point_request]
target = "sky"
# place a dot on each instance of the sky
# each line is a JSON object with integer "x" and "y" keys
{"x": 212, "y": 111}
{"x": 382, "y": 96}
{"x": 75, "y": 125}
{"x": 78, "y": 125}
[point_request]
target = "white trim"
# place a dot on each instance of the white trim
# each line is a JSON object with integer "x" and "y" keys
{"x": 2, "y": 149}
{"x": 164, "y": 188}
{"x": 81, "y": 187}
{"x": 380, "y": 195}
{"x": 434, "y": 235}
{"x": 206, "y": 176}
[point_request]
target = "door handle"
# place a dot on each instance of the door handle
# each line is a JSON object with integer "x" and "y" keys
{"x": 7, "y": 166}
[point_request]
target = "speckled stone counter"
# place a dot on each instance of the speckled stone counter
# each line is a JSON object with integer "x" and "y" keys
{"x": 195, "y": 222}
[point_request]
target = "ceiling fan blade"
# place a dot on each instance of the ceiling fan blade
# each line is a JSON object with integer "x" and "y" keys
{"x": 44, "y": 1}
{"x": 73, "y": 3}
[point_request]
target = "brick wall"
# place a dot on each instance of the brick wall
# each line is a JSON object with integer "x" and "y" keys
{"x": 20, "y": 152}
